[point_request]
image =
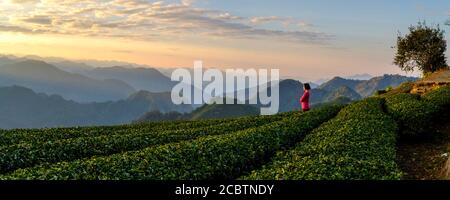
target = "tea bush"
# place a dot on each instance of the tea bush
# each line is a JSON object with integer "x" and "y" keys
{"x": 211, "y": 157}
{"x": 358, "y": 144}
{"x": 439, "y": 97}
{"x": 33, "y": 153}
{"x": 15, "y": 136}
{"x": 413, "y": 114}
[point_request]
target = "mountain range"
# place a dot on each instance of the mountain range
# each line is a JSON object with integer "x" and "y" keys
{"x": 139, "y": 78}
{"x": 43, "y": 77}
{"x": 212, "y": 111}
{"x": 118, "y": 82}
{"x": 366, "y": 88}
{"x": 337, "y": 90}
{"x": 23, "y": 108}
{"x": 65, "y": 93}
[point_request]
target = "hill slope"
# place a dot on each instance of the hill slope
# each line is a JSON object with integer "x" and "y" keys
{"x": 434, "y": 80}
{"x": 23, "y": 108}
{"x": 366, "y": 88}
{"x": 140, "y": 78}
{"x": 218, "y": 111}
{"x": 292, "y": 90}
{"x": 338, "y": 82}
{"x": 340, "y": 92}
{"x": 354, "y": 142}
{"x": 43, "y": 77}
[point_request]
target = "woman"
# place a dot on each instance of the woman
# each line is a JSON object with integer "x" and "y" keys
{"x": 305, "y": 98}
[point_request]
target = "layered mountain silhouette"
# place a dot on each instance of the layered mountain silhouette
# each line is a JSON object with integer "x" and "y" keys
{"x": 43, "y": 77}
{"x": 23, "y": 108}
{"x": 292, "y": 90}
{"x": 36, "y": 94}
{"x": 73, "y": 67}
{"x": 336, "y": 88}
{"x": 366, "y": 88}
{"x": 5, "y": 60}
{"x": 207, "y": 111}
{"x": 359, "y": 77}
{"x": 336, "y": 91}
{"x": 148, "y": 79}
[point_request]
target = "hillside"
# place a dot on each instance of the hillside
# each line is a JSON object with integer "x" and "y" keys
{"x": 377, "y": 138}
{"x": 334, "y": 91}
{"x": 156, "y": 101}
{"x": 148, "y": 79}
{"x": 72, "y": 67}
{"x": 23, "y": 108}
{"x": 43, "y": 77}
{"x": 426, "y": 157}
{"x": 207, "y": 111}
{"x": 364, "y": 76}
{"x": 338, "y": 82}
{"x": 5, "y": 60}
{"x": 342, "y": 91}
{"x": 140, "y": 78}
{"x": 434, "y": 80}
{"x": 291, "y": 92}
{"x": 121, "y": 103}
{"x": 219, "y": 111}
{"x": 366, "y": 88}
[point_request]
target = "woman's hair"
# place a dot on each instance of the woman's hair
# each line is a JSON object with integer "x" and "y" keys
{"x": 307, "y": 86}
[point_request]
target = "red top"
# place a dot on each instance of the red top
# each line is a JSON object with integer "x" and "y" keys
{"x": 305, "y": 100}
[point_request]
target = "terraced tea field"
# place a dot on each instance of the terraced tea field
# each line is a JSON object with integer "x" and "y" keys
{"x": 356, "y": 141}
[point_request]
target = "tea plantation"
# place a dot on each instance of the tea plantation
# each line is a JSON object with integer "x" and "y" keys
{"x": 356, "y": 141}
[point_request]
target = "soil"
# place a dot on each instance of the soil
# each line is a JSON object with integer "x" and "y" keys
{"x": 437, "y": 79}
{"x": 425, "y": 158}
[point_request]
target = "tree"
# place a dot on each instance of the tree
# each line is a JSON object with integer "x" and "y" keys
{"x": 423, "y": 49}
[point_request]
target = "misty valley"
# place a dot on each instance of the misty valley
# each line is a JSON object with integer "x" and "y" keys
{"x": 79, "y": 95}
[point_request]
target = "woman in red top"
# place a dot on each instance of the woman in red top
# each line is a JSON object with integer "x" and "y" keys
{"x": 305, "y": 98}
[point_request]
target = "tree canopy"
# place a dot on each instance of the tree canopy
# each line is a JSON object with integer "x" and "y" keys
{"x": 423, "y": 48}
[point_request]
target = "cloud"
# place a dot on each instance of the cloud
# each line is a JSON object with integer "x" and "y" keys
{"x": 285, "y": 21}
{"x": 259, "y": 20}
{"x": 228, "y": 16}
{"x": 24, "y": 1}
{"x": 14, "y": 29}
{"x": 123, "y": 51}
{"x": 144, "y": 20}
{"x": 187, "y": 2}
{"x": 37, "y": 19}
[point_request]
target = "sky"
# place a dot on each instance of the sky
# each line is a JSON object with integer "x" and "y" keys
{"x": 305, "y": 39}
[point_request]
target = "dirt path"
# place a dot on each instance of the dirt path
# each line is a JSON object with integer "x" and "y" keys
{"x": 424, "y": 159}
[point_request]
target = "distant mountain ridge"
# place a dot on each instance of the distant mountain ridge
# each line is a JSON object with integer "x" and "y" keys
{"x": 73, "y": 67}
{"x": 369, "y": 87}
{"x": 23, "y": 108}
{"x": 359, "y": 77}
{"x": 207, "y": 111}
{"x": 126, "y": 93}
{"x": 5, "y": 60}
{"x": 43, "y": 77}
{"x": 218, "y": 111}
{"x": 140, "y": 78}
{"x": 290, "y": 93}
{"x": 366, "y": 88}
{"x": 148, "y": 79}
{"x": 343, "y": 91}
{"x": 338, "y": 82}
{"x": 292, "y": 90}
{"x": 82, "y": 82}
